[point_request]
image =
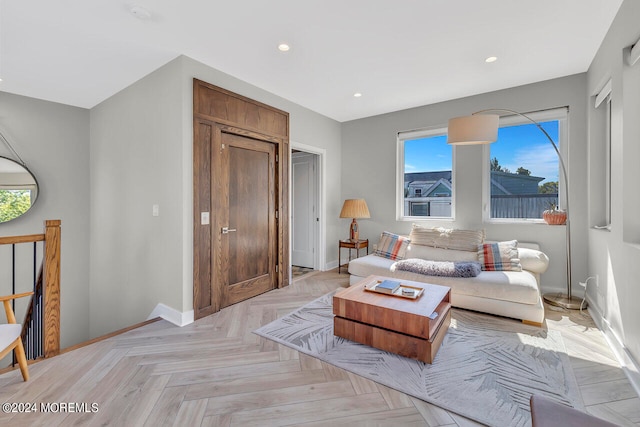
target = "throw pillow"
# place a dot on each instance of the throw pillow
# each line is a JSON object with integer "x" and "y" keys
{"x": 499, "y": 256}
{"x": 447, "y": 238}
{"x": 533, "y": 260}
{"x": 392, "y": 246}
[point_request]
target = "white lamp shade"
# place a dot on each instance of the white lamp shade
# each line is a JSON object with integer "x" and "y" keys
{"x": 472, "y": 130}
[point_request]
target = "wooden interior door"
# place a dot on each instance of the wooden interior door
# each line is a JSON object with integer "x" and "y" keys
{"x": 244, "y": 218}
{"x": 240, "y": 183}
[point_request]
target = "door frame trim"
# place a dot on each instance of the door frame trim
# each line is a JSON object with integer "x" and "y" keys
{"x": 319, "y": 261}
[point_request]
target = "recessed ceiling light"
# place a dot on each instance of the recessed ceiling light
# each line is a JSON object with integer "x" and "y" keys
{"x": 283, "y": 47}
{"x": 357, "y": 95}
{"x": 491, "y": 59}
{"x": 140, "y": 13}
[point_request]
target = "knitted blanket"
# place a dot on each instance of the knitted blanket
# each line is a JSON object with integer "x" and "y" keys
{"x": 439, "y": 268}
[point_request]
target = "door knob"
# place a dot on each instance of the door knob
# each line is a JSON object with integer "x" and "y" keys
{"x": 227, "y": 230}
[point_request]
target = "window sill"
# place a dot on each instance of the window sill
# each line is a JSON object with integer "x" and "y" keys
{"x": 507, "y": 221}
{"x": 426, "y": 219}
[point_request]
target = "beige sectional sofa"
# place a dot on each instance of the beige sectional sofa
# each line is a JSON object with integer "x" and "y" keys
{"x": 514, "y": 294}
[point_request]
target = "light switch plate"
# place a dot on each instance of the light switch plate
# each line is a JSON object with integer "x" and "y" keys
{"x": 204, "y": 218}
{"x": 156, "y": 210}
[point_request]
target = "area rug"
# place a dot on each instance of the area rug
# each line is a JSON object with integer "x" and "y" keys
{"x": 485, "y": 370}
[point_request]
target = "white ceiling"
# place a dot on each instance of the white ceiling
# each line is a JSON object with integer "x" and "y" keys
{"x": 397, "y": 53}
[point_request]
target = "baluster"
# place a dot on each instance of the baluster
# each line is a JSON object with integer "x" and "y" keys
{"x": 51, "y": 289}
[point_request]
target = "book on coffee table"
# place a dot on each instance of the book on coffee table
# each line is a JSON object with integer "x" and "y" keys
{"x": 388, "y": 286}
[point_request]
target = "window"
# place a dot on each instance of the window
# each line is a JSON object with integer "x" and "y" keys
{"x": 523, "y": 170}
{"x": 624, "y": 142}
{"x": 600, "y": 173}
{"x": 424, "y": 175}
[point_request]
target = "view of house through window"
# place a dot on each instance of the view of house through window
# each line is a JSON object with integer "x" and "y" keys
{"x": 522, "y": 181}
{"x": 427, "y": 163}
{"x": 524, "y": 168}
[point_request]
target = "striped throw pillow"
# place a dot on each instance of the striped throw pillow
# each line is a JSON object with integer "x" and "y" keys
{"x": 499, "y": 256}
{"x": 392, "y": 246}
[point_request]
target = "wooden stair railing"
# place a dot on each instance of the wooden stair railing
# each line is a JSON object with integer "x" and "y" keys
{"x": 49, "y": 294}
{"x": 52, "y": 288}
{"x": 32, "y": 325}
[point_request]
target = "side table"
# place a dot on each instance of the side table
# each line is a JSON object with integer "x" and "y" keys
{"x": 351, "y": 244}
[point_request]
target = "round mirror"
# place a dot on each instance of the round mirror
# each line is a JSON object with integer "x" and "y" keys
{"x": 18, "y": 189}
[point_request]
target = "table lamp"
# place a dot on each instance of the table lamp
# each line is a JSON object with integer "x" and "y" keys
{"x": 354, "y": 208}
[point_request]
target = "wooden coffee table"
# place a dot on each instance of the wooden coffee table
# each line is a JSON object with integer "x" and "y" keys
{"x": 394, "y": 324}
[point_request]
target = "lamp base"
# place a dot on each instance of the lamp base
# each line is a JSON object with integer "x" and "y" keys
{"x": 353, "y": 231}
{"x": 563, "y": 300}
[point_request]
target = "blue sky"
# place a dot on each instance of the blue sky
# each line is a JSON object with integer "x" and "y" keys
{"x": 427, "y": 154}
{"x": 517, "y": 146}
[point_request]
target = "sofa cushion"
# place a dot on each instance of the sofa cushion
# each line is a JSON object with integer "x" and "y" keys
{"x": 439, "y": 254}
{"x": 446, "y": 238}
{"x": 391, "y": 246}
{"x": 370, "y": 264}
{"x": 499, "y": 256}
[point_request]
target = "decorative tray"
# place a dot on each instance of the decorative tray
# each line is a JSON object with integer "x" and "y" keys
{"x": 416, "y": 292}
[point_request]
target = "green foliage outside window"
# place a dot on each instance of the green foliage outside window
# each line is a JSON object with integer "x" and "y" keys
{"x": 14, "y": 203}
{"x": 550, "y": 187}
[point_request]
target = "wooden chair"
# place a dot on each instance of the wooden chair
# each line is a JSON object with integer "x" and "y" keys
{"x": 10, "y": 335}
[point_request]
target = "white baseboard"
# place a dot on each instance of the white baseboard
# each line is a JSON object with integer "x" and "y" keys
{"x": 331, "y": 265}
{"x": 172, "y": 315}
{"x": 629, "y": 365}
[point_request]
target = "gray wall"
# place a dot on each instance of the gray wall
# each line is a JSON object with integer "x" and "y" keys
{"x": 614, "y": 256}
{"x": 141, "y": 154}
{"x": 370, "y": 146}
{"x": 53, "y": 140}
{"x": 136, "y": 152}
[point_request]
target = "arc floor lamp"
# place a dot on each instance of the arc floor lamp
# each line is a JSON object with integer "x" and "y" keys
{"x": 482, "y": 128}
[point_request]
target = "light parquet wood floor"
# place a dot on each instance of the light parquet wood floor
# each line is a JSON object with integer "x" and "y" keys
{"x": 216, "y": 372}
